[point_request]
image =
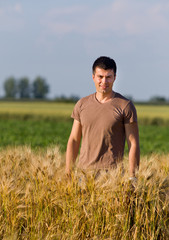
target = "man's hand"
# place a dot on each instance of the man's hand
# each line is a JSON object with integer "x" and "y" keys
{"x": 68, "y": 173}
{"x": 133, "y": 181}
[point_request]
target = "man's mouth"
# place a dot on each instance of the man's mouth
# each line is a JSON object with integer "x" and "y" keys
{"x": 104, "y": 87}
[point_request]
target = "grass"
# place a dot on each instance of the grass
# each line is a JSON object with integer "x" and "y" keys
{"x": 38, "y": 202}
{"x": 154, "y": 139}
{"x": 44, "y": 124}
{"x": 48, "y": 133}
{"x": 34, "y": 133}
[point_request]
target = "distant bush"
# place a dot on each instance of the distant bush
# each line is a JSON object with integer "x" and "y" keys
{"x": 158, "y": 99}
{"x": 65, "y": 99}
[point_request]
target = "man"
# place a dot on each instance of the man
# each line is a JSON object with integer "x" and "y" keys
{"x": 103, "y": 120}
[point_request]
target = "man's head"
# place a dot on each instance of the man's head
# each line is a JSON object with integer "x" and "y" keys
{"x": 104, "y": 75}
{"x": 105, "y": 63}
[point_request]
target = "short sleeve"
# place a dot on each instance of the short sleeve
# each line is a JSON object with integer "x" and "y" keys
{"x": 130, "y": 114}
{"x": 76, "y": 111}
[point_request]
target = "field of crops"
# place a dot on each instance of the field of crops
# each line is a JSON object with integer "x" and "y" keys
{"x": 43, "y": 109}
{"x": 38, "y": 202}
{"x": 64, "y": 109}
{"x": 43, "y": 124}
{"x": 153, "y": 111}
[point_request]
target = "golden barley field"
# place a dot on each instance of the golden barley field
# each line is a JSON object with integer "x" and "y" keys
{"x": 37, "y": 108}
{"x": 153, "y": 114}
{"x": 153, "y": 111}
{"x": 37, "y": 201}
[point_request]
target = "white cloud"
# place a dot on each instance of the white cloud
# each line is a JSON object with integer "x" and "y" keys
{"x": 130, "y": 17}
{"x": 122, "y": 16}
{"x": 10, "y": 17}
{"x": 61, "y": 28}
{"x": 149, "y": 19}
{"x": 61, "y": 21}
{"x": 65, "y": 11}
{"x": 18, "y": 8}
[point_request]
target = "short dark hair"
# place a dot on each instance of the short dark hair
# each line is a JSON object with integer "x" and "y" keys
{"x": 104, "y": 63}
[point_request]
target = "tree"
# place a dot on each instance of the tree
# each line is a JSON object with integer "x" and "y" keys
{"x": 24, "y": 88}
{"x": 158, "y": 99}
{"x": 40, "y": 88}
{"x": 10, "y": 87}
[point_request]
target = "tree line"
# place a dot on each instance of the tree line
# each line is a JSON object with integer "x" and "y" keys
{"x": 23, "y": 89}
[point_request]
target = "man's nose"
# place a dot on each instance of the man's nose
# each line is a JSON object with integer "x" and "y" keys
{"x": 104, "y": 80}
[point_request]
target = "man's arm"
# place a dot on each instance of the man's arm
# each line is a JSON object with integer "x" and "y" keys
{"x": 73, "y": 146}
{"x": 132, "y": 136}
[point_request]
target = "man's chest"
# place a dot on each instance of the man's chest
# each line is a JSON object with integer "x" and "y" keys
{"x": 101, "y": 115}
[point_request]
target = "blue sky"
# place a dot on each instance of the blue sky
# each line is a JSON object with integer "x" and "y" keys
{"x": 59, "y": 40}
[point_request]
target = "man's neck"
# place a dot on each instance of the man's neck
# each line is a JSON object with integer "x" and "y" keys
{"x": 101, "y": 97}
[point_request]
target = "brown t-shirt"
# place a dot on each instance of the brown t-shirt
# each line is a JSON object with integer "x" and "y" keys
{"x": 103, "y": 131}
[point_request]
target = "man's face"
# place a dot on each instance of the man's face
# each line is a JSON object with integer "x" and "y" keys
{"x": 104, "y": 80}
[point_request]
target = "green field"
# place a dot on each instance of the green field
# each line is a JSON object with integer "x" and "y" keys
{"x": 43, "y": 124}
{"x": 34, "y": 133}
